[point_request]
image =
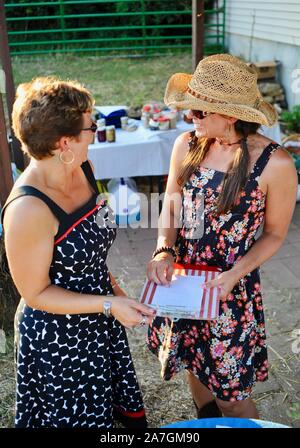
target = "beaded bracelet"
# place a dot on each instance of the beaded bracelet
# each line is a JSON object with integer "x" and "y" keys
{"x": 165, "y": 249}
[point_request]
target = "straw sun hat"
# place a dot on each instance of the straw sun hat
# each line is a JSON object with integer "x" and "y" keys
{"x": 222, "y": 84}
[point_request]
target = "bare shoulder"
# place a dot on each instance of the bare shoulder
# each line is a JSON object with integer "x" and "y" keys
{"x": 183, "y": 140}
{"x": 280, "y": 171}
{"x": 28, "y": 214}
{"x": 281, "y": 159}
{"x": 181, "y": 147}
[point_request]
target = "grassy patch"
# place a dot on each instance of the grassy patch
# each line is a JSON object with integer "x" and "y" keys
{"x": 7, "y": 386}
{"x": 112, "y": 81}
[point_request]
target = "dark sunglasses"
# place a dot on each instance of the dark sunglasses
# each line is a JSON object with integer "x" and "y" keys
{"x": 92, "y": 128}
{"x": 200, "y": 114}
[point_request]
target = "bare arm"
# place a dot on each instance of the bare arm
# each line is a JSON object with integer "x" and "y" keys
{"x": 280, "y": 204}
{"x": 29, "y": 237}
{"x": 282, "y": 184}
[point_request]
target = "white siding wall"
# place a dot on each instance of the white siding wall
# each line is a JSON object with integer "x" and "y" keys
{"x": 267, "y": 30}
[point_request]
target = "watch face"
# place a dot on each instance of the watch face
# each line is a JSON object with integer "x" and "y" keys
{"x": 106, "y": 308}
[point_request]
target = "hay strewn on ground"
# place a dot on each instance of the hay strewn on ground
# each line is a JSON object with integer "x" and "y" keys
{"x": 9, "y": 296}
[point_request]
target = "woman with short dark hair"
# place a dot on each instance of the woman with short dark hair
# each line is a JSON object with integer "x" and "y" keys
{"x": 74, "y": 367}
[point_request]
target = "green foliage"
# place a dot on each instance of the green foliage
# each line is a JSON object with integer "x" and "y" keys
{"x": 291, "y": 119}
{"x": 90, "y": 28}
{"x": 294, "y": 411}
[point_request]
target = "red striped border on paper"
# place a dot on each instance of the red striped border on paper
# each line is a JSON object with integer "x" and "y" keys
{"x": 210, "y": 301}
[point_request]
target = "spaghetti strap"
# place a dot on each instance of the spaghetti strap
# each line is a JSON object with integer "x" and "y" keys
{"x": 27, "y": 190}
{"x": 263, "y": 159}
{"x": 58, "y": 212}
{"x": 86, "y": 168}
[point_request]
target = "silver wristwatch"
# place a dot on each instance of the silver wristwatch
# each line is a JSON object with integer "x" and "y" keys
{"x": 107, "y": 308}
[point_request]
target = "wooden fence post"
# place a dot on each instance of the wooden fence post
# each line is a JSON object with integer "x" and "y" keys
{"x": 10, "y": 88}
{"x": 198, "y": 32}
{"x": 6, "y": 180}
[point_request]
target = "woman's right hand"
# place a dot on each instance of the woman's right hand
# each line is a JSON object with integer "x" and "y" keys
{"x": 160, "y": 269}
{"x": 130, "y": 313}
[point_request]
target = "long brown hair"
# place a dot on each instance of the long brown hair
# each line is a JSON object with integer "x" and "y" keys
{"x": 236, "y": 177}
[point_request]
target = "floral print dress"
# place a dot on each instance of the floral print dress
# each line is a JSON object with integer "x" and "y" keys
{"x": 227, "y": 354}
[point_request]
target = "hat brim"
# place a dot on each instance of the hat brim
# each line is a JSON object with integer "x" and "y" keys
{"x": 177, "y": 95}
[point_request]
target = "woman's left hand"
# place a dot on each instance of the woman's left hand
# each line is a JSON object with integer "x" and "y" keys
{"x": 225, "y": 282}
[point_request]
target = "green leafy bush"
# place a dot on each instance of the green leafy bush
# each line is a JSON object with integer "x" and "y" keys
{"x": 291, "y": 119}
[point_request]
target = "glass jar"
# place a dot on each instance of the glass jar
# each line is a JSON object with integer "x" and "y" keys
{"x": 101, "y": 122}
{"x": 101, "y": 134}
{"x": 111, "y": 134}
{"x": 124, "y": 122}
{"x": 145, "y": 119}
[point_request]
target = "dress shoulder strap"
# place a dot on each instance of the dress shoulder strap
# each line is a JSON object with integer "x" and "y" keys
{"x": 263, "y": 159}
{"x": 86, "y": 168}
{"x": 27, "y": 190}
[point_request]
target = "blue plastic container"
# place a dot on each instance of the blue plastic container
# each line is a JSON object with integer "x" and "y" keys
{"x": 225, "y": 422}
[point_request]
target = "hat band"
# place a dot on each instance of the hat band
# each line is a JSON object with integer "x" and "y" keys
{"x": 203, "y": 97}
{"x": 192, "y": 92}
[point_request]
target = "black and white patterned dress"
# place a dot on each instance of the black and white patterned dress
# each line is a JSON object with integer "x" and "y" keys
{"x": 75, "y": 370}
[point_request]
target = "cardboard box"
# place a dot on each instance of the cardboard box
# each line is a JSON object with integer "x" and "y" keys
{"x": 265, "y": 69}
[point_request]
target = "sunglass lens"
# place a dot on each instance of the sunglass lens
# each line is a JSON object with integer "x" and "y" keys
{"x": 198, "y": 114}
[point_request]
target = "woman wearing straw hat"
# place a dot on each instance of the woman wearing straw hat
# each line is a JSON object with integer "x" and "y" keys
{"x": 231, "y": 179}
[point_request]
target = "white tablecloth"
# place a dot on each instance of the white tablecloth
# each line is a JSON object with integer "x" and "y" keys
{"x": 138, "y": 153}
{"x": 143, "y": 152}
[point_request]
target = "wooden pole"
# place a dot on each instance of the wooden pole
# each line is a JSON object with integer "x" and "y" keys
{"x": 6, "y": 180}
{"x": 198, "y": 32}
{"x": 10, "y": 88}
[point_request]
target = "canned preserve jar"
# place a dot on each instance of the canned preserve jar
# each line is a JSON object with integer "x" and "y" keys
{"x": 110, "y": 134}
{"x": 101, "y": 134}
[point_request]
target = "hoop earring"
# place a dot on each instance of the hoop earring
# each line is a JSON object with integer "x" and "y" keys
{"x": 65, "y": 161}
